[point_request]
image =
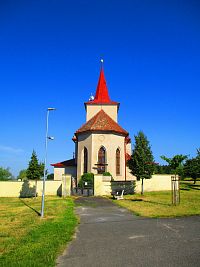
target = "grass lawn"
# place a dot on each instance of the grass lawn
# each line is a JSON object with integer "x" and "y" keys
{"x": 26, "y": 239}
{"x": 158, "y": 204}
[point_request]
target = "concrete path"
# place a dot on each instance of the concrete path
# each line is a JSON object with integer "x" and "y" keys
{"x": 112, "y": 236}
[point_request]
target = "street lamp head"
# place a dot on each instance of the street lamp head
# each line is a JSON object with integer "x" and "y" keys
{"x": 51, "y": 109}
{"x": 50, "y": 137}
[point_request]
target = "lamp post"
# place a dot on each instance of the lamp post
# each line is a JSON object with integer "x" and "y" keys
{"x": 45, "y": 160}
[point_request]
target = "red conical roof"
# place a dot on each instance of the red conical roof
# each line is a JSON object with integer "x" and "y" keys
{"x": 102, "y": 90}
{"x": 102, "y": 96}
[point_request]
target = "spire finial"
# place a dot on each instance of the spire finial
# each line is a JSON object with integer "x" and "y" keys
{"x": 101, "y": 63}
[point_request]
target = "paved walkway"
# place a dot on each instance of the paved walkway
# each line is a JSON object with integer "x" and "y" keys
{"x": 112, "y": 236}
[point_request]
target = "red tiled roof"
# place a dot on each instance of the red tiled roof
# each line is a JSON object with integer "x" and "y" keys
{"x": 102, "y": 96}
{"x": 101, "y": 122}
{"x": 66, "y": 163}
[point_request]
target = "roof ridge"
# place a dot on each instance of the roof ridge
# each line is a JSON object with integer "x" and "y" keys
{"x": 112, "y": 119}
{"x": 105, "y": 123}
{"x": 96, "y": 116}
{"x": 88, "y": 121}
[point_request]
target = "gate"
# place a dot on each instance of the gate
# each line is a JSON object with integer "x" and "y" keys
{"x": 86, "y": 190}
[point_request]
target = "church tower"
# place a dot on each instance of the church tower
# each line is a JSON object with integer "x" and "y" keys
{"x": 101, "y": 101}
{"x": 102, "y": 145}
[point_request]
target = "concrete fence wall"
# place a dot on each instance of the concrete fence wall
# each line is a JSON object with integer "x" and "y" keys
{"x": 156, "y": 183}
{"x": 102, "y": 186}
{"x": 27, "y": 188}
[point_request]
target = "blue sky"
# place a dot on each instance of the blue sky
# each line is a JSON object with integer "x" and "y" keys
{"x": 50, "y": 56}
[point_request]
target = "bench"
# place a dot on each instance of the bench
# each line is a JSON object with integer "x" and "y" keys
{"x": 118, "y": 194}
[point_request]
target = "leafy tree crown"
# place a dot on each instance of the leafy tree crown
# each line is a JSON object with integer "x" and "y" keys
{"x": 22, "y": 175}
{"x": 5, "y": 174}
{"x": 176, "y": 163}
{"x": 35, "y": 169}
{"x": 192, "y": 166}
{"x": 141, "y": 163}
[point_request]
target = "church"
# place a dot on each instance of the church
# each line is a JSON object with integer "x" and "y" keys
{"x": 101, "y": 144}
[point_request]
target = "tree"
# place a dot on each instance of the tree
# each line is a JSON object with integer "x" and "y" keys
{"x": 176, "y": 163}
{"x": 41, "y": 164}
{"x": 22, "y": 175}
{"x": 162, "y": 169}
{"x": 5, "y": 174}
{"x": 50, "y": 176}
{"x": 35, "y": 170}
{"x": 141, "y": 163}
{"x": 191, "y": 167}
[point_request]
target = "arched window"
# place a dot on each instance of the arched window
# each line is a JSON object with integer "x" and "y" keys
{"x": 118, "y": 162}
{"x": 102, "y": 160}
{"x": 85, "y": 160}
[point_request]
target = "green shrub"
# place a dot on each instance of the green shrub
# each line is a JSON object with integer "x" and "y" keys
{"x": 107, "y": 174}
{"x": 86, "y": 177}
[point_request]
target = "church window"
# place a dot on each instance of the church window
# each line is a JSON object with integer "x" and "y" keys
{"x": 102, "y": 160}
{"x": 85, "y": 164}
{"x": 118, "y": 162}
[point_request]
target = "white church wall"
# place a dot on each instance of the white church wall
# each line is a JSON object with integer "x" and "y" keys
{"x": 111, "y": 142}
{"x": 129, "y": 176}
{"x": 93, "y": 142}
{"x": 128, "y": 148}
{"x": 84, "y": 140}
{"x": 92, "y": 110}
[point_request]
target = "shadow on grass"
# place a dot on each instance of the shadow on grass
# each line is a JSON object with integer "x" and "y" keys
{"x": 187, "y": 186}
{"x": 185, "y": 189}
{"x": 160, "y": 203}
{"x": 196, "y": 188}
{"x": 149, "y": 201}
{"x": 37, "y": 212}
{"x": 27, "y": 190}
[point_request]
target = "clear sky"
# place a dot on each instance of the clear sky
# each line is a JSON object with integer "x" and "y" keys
{"x": 50, "y": 56}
